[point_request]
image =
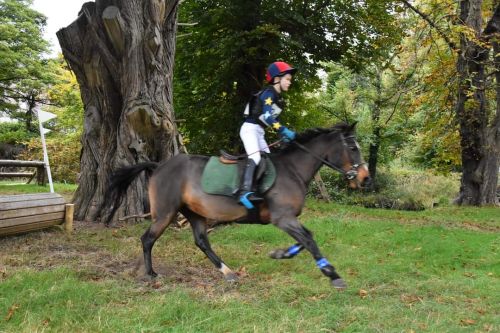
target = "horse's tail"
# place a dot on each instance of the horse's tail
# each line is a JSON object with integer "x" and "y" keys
{"x": 119, "y": 182}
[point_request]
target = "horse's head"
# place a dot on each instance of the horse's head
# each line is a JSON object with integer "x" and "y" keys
{"x": 337, "y": 148}
{"x": 345, "y": 156}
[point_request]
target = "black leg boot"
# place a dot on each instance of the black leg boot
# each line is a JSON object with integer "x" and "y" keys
{"x": 247, "y": 197}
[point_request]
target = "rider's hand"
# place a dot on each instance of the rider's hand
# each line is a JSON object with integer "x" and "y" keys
{"x": 286, "y": 134}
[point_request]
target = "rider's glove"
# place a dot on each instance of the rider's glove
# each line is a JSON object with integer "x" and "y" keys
{"x": 286, "y": 134}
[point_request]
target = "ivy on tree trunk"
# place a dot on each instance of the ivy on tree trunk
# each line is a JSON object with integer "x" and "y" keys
{"x": 122, "y": 53}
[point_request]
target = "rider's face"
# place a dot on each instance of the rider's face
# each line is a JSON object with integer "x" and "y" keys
{"x": 285, "y": 82}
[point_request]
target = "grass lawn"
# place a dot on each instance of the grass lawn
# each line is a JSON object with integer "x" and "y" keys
{"x": 431, "y": 271}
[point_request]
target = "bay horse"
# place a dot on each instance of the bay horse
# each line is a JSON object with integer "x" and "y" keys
{"x": 174, "y": 187}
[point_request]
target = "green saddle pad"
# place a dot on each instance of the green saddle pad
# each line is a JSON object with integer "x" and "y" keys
{"x": 223, "y": 179}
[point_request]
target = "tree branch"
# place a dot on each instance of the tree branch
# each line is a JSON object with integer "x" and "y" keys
{"x": 431, "y": 23}
{"x": 330, "y": 111}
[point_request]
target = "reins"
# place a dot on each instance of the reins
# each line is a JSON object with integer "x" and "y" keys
{"x": 350, "y": 174}
{"x": 268, "y": 146}
{"x": 310, "y": 152}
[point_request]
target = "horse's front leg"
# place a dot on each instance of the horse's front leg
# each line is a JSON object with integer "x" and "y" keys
{"x": 293, "y": 227}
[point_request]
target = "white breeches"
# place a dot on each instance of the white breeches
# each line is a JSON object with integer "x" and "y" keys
{"x": 253, "y": 139}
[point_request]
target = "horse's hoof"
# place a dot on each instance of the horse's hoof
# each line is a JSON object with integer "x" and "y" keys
{"x": 339, "y": 284}
{"x": 231, "y": 277}
{"x": 277, "y": 254}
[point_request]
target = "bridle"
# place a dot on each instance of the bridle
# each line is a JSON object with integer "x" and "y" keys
{"x": 350, "y": 174}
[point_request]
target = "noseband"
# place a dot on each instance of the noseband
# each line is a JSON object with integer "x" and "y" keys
{"x": 350, "y": 174}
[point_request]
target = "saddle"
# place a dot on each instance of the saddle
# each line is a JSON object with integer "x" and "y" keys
{"x": 227, "y": 158}
{"x": 222, "y": 174}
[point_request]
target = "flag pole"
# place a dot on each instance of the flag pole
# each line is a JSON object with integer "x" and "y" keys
{"x": 45, "y": 155}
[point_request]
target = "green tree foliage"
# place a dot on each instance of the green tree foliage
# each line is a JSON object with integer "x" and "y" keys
{"x": 63, "y": 142}
{"x": 427, "y": 58}
{"x": 369, "y": 97}
{"x": 405, "y": 99}
{"x": 23, "y": 71}
{"x": 221, "y": 60}
{"x": 65, "y": 100}
{"x": 14, "y": 133}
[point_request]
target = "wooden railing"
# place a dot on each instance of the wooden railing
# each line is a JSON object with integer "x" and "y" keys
{"x": 39, "y": 165}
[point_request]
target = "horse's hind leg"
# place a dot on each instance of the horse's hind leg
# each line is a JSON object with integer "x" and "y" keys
{"x": 151, "y": 235}
{"x": 201, "y": 240}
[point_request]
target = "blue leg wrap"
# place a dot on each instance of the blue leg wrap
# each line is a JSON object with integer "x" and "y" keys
{"x": 244, "y": 200}
{"x": 322, "y": 263}
{"x": 293, "y": 250}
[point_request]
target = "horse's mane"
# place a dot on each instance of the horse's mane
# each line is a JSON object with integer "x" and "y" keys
{"x": 312, "y": 133}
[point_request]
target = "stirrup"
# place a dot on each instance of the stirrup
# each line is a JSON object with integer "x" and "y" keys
{"x": 247, "y": 199}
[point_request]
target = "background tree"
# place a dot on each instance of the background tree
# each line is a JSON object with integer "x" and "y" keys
{"x": 122, "y": 55}
{"x": 472, "y": 38}
{"x": 66, "y": 102}
{"x": 373, "y": 97}
{"x": 479, "y": 125}
{"x": 221, "y": 60}
{"x": 24, "y": 72}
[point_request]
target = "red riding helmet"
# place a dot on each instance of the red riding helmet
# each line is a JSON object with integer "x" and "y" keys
{"x": 278, "y": 68}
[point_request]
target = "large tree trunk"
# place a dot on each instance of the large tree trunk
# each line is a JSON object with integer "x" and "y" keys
{"x": 122, "y": 53}
{"x": 479, "y": 140}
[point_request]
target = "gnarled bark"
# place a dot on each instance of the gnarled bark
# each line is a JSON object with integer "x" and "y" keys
{"x": 479, "y": 130}
{"x": 122, "y": 53}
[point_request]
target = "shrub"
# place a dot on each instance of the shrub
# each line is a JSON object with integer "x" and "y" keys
{"x": 14, "y": 133}
{"x": 64, "y": 156}
{"x": 395, "y": 188}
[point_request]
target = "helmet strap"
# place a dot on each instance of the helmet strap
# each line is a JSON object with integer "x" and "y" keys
{"x": 274, "y": 83}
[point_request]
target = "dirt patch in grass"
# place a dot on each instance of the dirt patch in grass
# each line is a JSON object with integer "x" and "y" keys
{"x": 91, "y": 253}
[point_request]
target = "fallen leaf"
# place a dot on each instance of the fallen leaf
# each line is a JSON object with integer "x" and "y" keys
{"x": 481, "y": 311}
{"x": 352, "y": 272}
{"x": 488, "y": 327}
{"x": 156, "y": 285}
{"x": 11, "y": 311}
{"x": 410, "y": 299}
{"x": 363, "y": 293}
{"x": 467, "y": 322}
{"x": 242, "y": 271}
{"x": 317, "y": 298}
{"x": 422, "y": 326}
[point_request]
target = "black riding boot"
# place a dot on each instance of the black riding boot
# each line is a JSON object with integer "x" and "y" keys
{"x": 247, "y": 197}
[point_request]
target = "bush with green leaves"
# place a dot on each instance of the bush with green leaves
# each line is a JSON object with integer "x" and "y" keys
{"x": 14, "y": 133}
{"x": 64, "y": 156}
{"x": 395, "y": 188}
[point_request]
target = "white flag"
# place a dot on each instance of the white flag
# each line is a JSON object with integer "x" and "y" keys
{"x": 44, "y": 116}
{"x": 45, "y": 130}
